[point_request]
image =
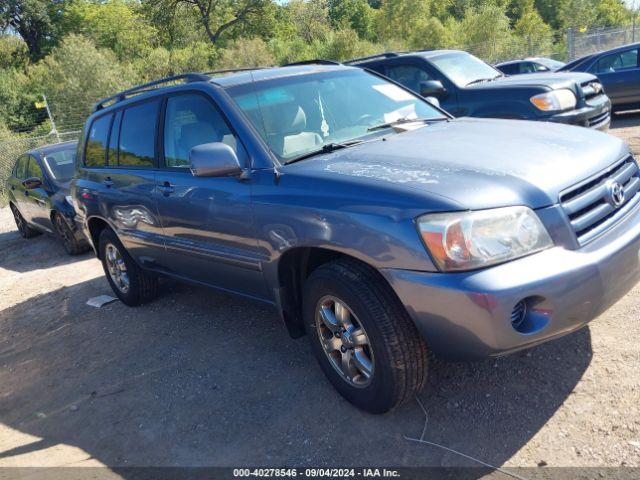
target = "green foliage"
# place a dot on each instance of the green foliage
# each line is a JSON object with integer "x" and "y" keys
{"x": 245, "y": 53}
{"x": 14, "y": 53}
{"x": 116, "y": 25}
{"x": 75, "y": 75}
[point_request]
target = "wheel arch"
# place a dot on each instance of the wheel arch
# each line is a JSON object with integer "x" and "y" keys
{"x": 293, "y": 268}
{"x": 96, "y": 225}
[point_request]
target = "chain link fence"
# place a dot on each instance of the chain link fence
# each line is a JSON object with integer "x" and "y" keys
{"x": 581, "y": 44}
{"x": 12, "y": 148}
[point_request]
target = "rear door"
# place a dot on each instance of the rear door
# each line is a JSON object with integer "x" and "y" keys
{"x": 38, "y": 198}
{"x": 620, "y": 76}
{"x": 17, "y": 187}
{"x": 119, "y": 166}
{"x": 207, "y": 222}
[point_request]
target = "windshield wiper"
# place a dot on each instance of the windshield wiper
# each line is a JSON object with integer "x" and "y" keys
{"x": 402, "y": 120}
{"x": 327, "y": 148}
{"x": 482, "y": 80}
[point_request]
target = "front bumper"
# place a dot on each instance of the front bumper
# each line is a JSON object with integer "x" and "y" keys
{"x": 595, "y": 113}
{"x": 468, "y": 315}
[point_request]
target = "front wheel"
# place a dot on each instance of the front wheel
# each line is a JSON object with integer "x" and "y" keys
{"x": 362, "y": 336}
{"x": 23, "y": 227}
{"x": 131, "y": 284}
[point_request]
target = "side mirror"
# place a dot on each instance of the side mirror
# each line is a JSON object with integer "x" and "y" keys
{"x": 432, "y": 88}
{"x": 32, "y": 182}
{"x": 215, "y": 159}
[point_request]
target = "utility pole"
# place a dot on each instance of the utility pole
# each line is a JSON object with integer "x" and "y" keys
{"x": 54, "y": 130}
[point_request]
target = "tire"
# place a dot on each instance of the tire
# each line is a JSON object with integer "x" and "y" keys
{"x": 23, "y": 227}
{"x": 66, "y": 236}
{"x": 395, "y": 350}
{"x": 141, "y": 286}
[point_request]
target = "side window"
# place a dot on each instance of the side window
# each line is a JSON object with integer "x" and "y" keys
{"x": 112, "y": 152}
{"x": 18, "y": 169}
{"x": 34, "y": 169}
{"x": 408, "y": 75}
{"x": 97, "y": 142}
{"x": 508, "y": 69}
{"x": 192, "y": 120}
{"x": 137, "y": 135}
{"x": 538, "y": 67}
{"x": 618, "y": 61}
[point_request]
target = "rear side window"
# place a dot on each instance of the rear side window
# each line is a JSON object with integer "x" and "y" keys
{"x": 112, "y": 153}
{"x": 137, "y": 135}
{"x": 95, "y": 152}
{"x": 192, "y": 120}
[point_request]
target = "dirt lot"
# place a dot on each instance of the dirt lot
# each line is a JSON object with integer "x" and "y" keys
{"x": 201, "y": 378}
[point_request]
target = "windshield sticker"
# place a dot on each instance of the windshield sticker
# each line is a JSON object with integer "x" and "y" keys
{"x": 394, "y": 92}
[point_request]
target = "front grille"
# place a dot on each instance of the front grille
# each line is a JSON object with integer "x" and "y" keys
{"x": 591, "y": 89}
{"x": 591, "y": 206}
{"x": 598, "y": 119}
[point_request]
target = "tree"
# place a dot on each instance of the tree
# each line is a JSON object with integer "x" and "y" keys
{"x": 580, "y": 15}
{"x": 311, "y": 19}
{"x": 116, "y": 25}
{"x": 352, "y": 14}
{"x": 399, "y": 18}
{"x": 536, "y": 35}
{"x": 14, "y": 53}
{"x": 611, "y": 13}
{"x": 32, "y": 20}
{"x": 74, "y": 76}
{"x": 242, "y": 53}
{"x": 218, "y": 16}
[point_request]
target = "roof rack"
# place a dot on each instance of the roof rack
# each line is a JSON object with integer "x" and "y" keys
{"x": 315, "y": 61}
{"x": 232, "y": 70}
{"x": 118, "y": 97}
{"x": 371, "y": 57}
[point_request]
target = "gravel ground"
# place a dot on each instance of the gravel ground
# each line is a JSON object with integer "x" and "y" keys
{"x": 200, "y": 378}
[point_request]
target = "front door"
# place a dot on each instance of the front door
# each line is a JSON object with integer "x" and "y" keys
{"x": 620, "y": 76}
{"x": 207, "y": 222}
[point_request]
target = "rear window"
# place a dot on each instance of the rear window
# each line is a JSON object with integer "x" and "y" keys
{"x": 137, "y": 135}
{"x": 60, "y": 164}
{"x": 95, "y": 151}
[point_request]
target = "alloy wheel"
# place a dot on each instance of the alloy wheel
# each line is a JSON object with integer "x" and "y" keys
{"x": 344, "y": 341}
{"x": 117, "y": 268}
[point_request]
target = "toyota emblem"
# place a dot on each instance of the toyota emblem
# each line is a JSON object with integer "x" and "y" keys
{"x": 615, "y": 193}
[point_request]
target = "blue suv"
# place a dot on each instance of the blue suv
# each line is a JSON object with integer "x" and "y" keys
{"x": 373, "y": 222}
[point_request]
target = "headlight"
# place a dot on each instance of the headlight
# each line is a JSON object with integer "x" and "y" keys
{"x": 471, "y": 240}
{"x": 556, "y": 100}
{"x": 69, "y": 200}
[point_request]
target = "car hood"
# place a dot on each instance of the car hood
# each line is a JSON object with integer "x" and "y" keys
{"x": 552, "y": 80}
{"x": 476, "y": 163}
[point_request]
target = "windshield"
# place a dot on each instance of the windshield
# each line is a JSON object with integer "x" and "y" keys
{"x": 301, "y": 114}
{"x": 60, "y": 164}
{"x": 463, "y": 68}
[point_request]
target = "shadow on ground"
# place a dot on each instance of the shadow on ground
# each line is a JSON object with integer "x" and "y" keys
{"x": 23, "y": 255}
{"x": 201, "y": 378}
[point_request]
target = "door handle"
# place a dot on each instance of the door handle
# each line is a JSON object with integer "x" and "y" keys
{"x": 166, "y": 189}
{"x": 107, "y": 182}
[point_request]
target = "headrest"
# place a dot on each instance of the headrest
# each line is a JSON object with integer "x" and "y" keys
{"x": 287, "y": 119}
{"x": 198, "y": 133}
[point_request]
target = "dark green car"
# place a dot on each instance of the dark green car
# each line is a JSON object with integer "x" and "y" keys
{"x": 39, "y": 195}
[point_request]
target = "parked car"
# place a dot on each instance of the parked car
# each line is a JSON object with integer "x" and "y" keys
{"x": 619, "y": 72}
{"x": 372, "y": 221}
{"x": 466, "y": 86}
{"x": 39, "y": 195}
{"x": 530, "y": 65}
